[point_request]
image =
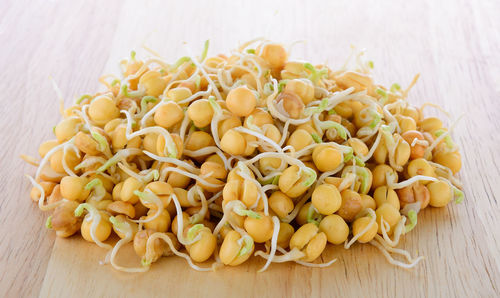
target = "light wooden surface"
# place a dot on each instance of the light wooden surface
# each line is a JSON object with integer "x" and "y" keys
{"x": 455, "y": 45}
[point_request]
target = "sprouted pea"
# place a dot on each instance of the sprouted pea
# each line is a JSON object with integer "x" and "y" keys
{"x": 232, "y": 150}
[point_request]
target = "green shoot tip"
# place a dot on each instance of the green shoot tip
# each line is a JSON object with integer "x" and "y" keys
{"x": 192, "y": 232}
{"x": 312, "y": 175}
{"x": 247, "y": 246}
{"x": 80, "y": 208}
{"x": 48, "y": 222}
{"x": 282, "y": 85}
{"x": 395, "y": 87}
{"x": 94, "y": 183}
{"x": 459, "y": 195}
{"x": 412, "y": 216}
{"x": 316, "y": 138}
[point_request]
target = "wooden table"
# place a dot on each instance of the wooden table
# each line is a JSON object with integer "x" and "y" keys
{"x": 454, "y": 45}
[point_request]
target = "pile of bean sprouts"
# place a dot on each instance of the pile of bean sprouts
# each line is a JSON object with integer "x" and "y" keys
{"x": 218, "y": 159}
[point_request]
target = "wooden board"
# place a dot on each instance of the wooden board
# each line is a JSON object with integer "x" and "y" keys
{"x": 455, "y": 45}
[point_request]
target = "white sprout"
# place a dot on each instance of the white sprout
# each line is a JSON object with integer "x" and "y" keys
{"x": 47, "y": 157}
{"x": 149, "y": 198}
{"x": 373, "y": 218}
{"x": 93, "y": 215}
{"x": 64, "y": 163}
{"x": 90, "y": 161}
{"x": 259, "y": 136}
{"x": 377, "y": 243}
{"x": 293, "y": 255}
{"x": 398, "y": 230}
{"x": 170, "y": 147}
{"x": 174, "y": 161}
{"x": 187, "y": 174}
{"x": 274, "y": 243}
{"x": 438, "y": 140}
{"x": 184, "y": 125}
{"x": 41, "y": 200}
{"x": 151, "y": 174}
{"x": 121, "y": 155}
{"x": 209, "y": 150}
{"x": 392, "y": 184}
{"x": 125, "y": 228}
{"x": 180, "y": 223}
{"x": 166, "y": 238}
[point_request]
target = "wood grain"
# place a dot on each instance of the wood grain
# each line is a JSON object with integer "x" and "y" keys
{"x": 454, "y": 45}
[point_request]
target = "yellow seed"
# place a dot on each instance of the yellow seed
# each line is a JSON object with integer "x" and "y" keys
{"x": 241, "y": 101}
{"x": 360, "y": 224}
{"x": 335, "y": 228}
{"x": 281, "y": 204}
{"x": 383, "y": 194}
{"x": 326, "y": 158}
{"x": 200, "y": 112}
{"x": 390, "y": 215}
{"x": 326, "y": 199}
{"x": 303, "y": 88}
{"x": 233, "y": 143}
{"x": 168, "y": 114}
{"x": 102, "y": 109}
{"x": 440, "y": 193}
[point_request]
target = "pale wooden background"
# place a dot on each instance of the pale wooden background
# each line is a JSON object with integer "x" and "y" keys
{"x": 455, "y": 45}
